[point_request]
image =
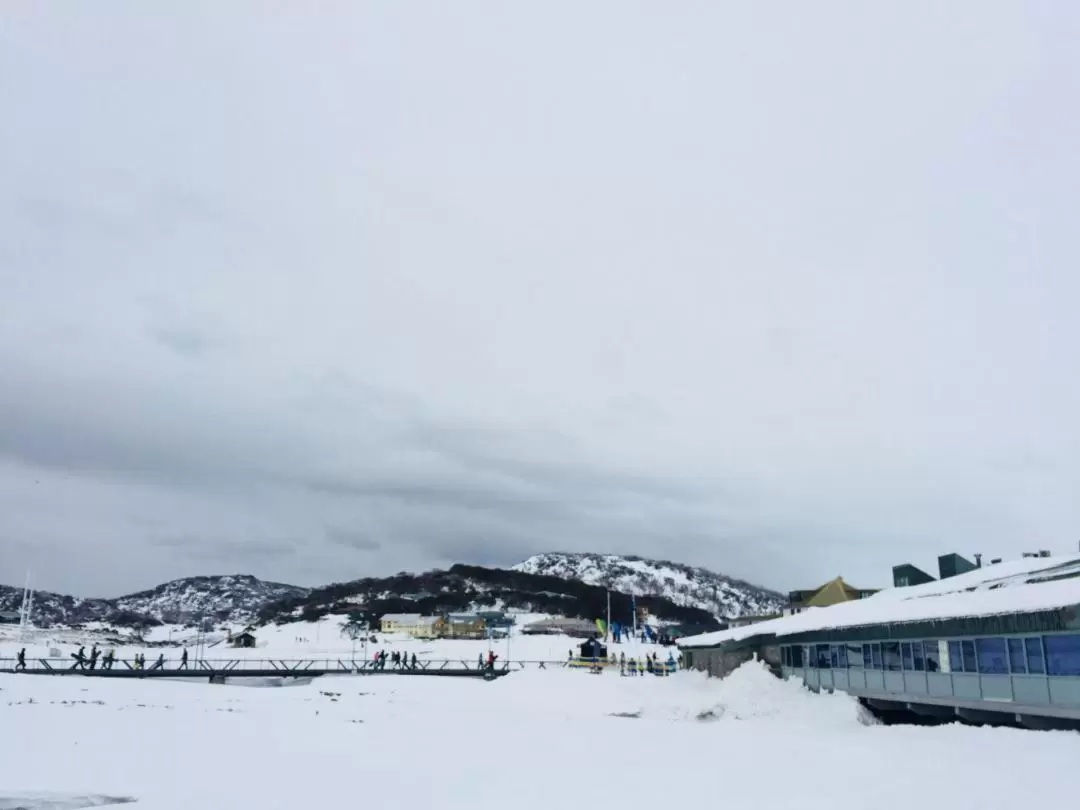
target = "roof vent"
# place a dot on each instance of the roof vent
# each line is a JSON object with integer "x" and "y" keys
{"x": 995, "y": 561}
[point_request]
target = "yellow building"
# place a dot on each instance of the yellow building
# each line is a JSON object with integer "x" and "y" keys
{"x": 832, "y": 592}
{"x": 413, "y": 624}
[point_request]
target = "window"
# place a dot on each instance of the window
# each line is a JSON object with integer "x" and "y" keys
{"x": 854, "y": 655}
{"x": 1035, "y": 663}
{"x": 811, "y": 656}
{"x": 796, "y": 656}
{"x": 968, "y": 650}
{"x": 932, "y": 651}
{"x": 890, "y": 655}
{"x": 956, "y": 663}
{"x": 822, "y": 656}
{"x": 785, "y": 656}
{"x": 875, "y": 655}
{"x": 1062, "y": 654}
{"x": 867, "y": 660}
{"x": 834, "y": 656}
{"x": 841, "y": 656}
{"x": 1017, "y": 656}
{"x": 917, "y": 656}
{"x": 992, "y": 656}
{"x": 906, "y": 657}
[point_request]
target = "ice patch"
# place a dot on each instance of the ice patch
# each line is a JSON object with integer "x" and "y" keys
{"x": 59, "y": 801}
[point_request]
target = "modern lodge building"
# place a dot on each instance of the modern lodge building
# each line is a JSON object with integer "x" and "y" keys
{"x": 998, "y": 644}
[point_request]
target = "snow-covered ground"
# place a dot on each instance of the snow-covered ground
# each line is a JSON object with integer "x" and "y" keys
{"x": 535, "y": 739}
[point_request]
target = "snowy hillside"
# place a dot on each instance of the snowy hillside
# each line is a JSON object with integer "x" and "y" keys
{"x": 231, "y": 598}
{"x": 723, "y": 596}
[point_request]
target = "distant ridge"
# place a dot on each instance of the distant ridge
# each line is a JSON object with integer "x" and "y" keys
{"x": 565, "y": 584}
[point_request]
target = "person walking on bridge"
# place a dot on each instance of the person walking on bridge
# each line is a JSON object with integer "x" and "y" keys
{"x": 20, "y": 661}
{"x": 160, "y": 663}
{"x": 183, "y": 659}
{"x": 107, "y": 661}
{"x": 80, "y": 659}
{"x": 95, "y": 653}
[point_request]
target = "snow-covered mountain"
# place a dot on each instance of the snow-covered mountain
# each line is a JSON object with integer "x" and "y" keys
{"x": 723, "y": 596}
{"x": 231, "y": 598}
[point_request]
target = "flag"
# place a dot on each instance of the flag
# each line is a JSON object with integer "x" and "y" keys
{"x": 601, "y": 627}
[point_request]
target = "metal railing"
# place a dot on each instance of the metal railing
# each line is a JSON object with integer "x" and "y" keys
{"x": 283, "y": 666}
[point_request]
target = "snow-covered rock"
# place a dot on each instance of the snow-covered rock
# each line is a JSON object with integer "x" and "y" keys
{"x": 225, "y": 598}
{"x": 724, "y": 596}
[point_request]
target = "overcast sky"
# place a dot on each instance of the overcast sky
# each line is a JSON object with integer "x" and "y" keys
{"x": 320, "y": 291}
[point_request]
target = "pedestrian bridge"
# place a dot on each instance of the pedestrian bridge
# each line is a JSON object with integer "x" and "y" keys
{"x": 263, "y": 668}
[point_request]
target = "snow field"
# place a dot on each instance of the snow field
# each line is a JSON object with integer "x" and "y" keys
{"x": 535, "y": 739}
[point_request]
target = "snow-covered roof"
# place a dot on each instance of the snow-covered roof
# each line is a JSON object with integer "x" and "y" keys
{"x": 1019, "y": 586}
{"x": 402, "y": 618}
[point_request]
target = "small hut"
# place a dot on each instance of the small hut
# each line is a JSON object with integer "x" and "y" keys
{"x": 244, "y": 640}
{"x": 593, "y": 648}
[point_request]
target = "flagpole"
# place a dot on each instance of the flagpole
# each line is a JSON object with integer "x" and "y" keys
{"x": 607, "y": 634}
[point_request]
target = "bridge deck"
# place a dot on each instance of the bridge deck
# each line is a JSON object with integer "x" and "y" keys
{"x": 266, "y": 668}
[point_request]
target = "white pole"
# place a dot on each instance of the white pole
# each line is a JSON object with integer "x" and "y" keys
{"x": 607, "y": 633}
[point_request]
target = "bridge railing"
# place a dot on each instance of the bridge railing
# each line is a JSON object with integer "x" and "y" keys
{"x": 286, "y": 666}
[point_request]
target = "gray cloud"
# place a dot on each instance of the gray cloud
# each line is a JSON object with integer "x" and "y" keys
{"x": 788, "y": 292}
{"x": 353, "y": 539}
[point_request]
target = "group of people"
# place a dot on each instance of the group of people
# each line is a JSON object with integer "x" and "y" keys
{"x": 90, "y": 662}
{"x": 84, "y": 661}
{"x": 398, "y": 660}
{"x": 650, "y": 666}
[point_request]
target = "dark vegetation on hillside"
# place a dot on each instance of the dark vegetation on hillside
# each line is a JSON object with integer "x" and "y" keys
{"x": 465, "y": 586}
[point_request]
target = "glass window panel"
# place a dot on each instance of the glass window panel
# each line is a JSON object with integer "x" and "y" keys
{"x": 956, "y": 663}
{"x": 890, "y": 655}
{"x": 841, "y": 656}
{"x": 834, "y": 656}
{"x": 867, "y": 659}
{"x": 1035, "y": 663}
{"x": 970, "y": 661}
{"x": 917, "y": 656}
{"x": 1017, "y": 655}
{"x": 875, "y": 655}
{"x": 855, "y": 656}
{"x": 1062, "y": 654}
{"x": 992, "y": 656}
{"x": 906, "y": 657}
{"x": 796, "y": 656}
{"x": 933, "y": 656}
{"x": 822, "y": 656}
